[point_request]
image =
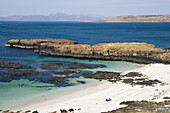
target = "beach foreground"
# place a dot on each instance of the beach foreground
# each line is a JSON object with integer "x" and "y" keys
{"x": 93, "y": 98}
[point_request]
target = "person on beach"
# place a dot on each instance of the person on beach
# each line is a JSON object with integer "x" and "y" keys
{"x": 107, "y": 100}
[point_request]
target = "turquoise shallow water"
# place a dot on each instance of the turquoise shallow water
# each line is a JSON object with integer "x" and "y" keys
{"x": 13, "y": 92}
{"x": 22, "y": 91}
{"x": 18, "y": 93}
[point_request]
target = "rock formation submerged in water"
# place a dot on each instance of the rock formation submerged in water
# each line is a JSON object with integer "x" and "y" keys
{"x": 133, "y": 52}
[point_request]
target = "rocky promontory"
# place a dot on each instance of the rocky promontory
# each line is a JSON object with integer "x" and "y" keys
{"x": 133, "y": 52}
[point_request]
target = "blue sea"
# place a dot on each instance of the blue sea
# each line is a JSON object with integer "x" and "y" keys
{"x": 16, "y": 91}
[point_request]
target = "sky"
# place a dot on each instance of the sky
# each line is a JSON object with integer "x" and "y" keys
{"x": 94, "y": 7}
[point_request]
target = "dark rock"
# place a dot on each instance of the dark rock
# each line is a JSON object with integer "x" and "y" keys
{"x": 57, "y": 79}
{"x": 166, "y": 48}
{"x": 128, "y": 81}
{"x": 20, "y": 73}
{"x": 6, "y": 111}
{"x": 103, "y": 75}
{"x": 148, "y": 82}
{"x": 27, "y": 111}
{"x": 70, "y": 65}
{"x": 35, "y": 112}
{"x": 166, "y": 98}
{"x": 65, "y": 72}
{"x": 75, "y": 65}
{"x": 13, "y": 65}
{"x": 19, "y": 111}
{"x": 134, "y": 74}
{"x": 140, "y": 79}
{"x": 113, "y": 81}
{"x": 71, "y": 110}
{"x": 129, "y": 78}
{"x": 79, "y": 109}
{"x": 54, "y": 112}
{"x": 63, "y": 111}
{"x": 157, "y": 81}
{"x": 82, "y": 82}
{"x": 16, "y": 72}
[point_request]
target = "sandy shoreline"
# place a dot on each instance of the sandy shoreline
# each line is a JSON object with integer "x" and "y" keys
{"x": 92, "y": 99}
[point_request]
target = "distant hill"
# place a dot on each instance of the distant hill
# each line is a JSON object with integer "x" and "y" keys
{"x": 53, "y": 17}
{"x": 139, "y": 18}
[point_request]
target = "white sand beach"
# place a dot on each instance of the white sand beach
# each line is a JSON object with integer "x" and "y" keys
{"x": 92, "y": 99}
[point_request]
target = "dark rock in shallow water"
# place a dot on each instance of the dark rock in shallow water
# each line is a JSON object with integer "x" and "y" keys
{"x": 13, "y": 65}
{"x": 103, "y": 75}
{"x": 65, "y": 72}
{"x": 75, "y": 65}
{"x": 71, "y": 65}
{"x": 20, "y": 73}
{"x": 57, "y": 79}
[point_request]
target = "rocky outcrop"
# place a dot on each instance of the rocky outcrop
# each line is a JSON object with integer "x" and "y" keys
{"x": 18, "y": 73}
{"x": 103, "y": 75}
{"x": 133, "y": 52}
{"x": 143, "y": 107}
{"x": 34, "y": 43}
{"x": 131, "y": 78}
{"x": 13, "y": 65}
{"x": 139, "y": 18}
{"x": 71, "y": 65}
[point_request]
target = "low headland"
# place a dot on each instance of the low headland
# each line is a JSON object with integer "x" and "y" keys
{"x": 145, "y": 89}
{"x": 138, "y": 18}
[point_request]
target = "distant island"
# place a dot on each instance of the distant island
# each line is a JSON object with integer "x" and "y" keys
{"x": 53, "y": 17}
{"x": 139, "y": 18}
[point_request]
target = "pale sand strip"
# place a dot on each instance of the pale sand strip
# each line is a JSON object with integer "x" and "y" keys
{"x": 92, "y": 99}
